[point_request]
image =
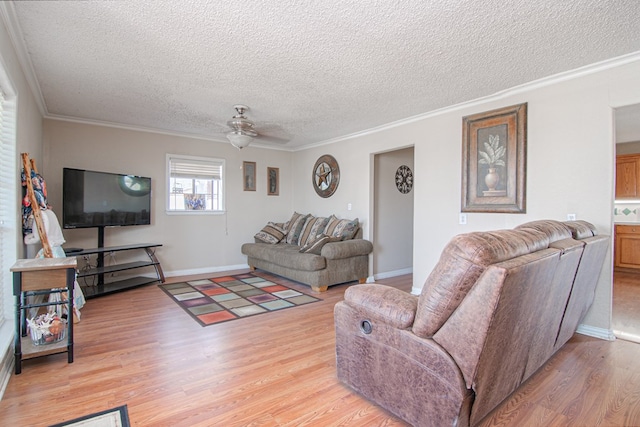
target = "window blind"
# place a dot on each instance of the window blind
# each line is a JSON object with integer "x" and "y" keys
{"x": 181, "y": 168}
{"x": 8, "y": 202}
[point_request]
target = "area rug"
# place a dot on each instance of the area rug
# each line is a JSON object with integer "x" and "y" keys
{"x": 217, "y": 300}
{"x": 116, "y": 417}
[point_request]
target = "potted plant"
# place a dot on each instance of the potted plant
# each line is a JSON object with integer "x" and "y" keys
{"x": 492, "y": 156}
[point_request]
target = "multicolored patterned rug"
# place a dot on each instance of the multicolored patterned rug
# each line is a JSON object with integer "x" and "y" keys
{"x": 211, "y": 301}
{"x": 116, "y": 417}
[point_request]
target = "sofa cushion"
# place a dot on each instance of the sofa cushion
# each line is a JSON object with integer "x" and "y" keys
{"x": 581, "y": 229}
{"x": 294, "y": 227}
{"x": 315, "y": 245}
{"x": 284, "y": 255}
{"x": 343, "y": 228}
{"x": 462, "y": 261}
{"x": 270, "y": 233}
{"x": 347, "y": 249}
{"x": 554, "y": 229}
{"x": 312, "y": 228}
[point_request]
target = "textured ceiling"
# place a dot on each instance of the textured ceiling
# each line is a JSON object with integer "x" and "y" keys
{"x": 310, "y": 70}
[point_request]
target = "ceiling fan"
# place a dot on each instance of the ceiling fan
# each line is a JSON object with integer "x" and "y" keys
{"x": 243, "y": 130}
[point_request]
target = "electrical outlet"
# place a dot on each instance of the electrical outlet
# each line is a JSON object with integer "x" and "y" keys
{"x": 463, "y": 219}
{"x": 348, "y": 206}
{"x": 571, "y": 217}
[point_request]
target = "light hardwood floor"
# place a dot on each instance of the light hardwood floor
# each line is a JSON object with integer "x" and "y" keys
{"x": 626, "y": 305}
{"x": 139, "y": 348}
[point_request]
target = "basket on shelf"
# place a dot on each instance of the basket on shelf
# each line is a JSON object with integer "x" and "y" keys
{"x": 47, "y": 328}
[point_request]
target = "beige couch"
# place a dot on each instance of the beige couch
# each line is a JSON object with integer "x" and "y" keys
{"x": 495, "y": 308}
{"x": 316, "y": 251}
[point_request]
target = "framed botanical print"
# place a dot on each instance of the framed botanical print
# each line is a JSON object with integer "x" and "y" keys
{"x": 494, "y": 160}
{"x": 249, "y": 176}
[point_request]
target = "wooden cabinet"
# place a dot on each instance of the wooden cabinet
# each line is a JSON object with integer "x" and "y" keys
{"x": 627, "y": 246}
{"x": 628, "y": 176}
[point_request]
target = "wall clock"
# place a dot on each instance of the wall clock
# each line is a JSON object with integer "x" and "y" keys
{"x": 404, "y": 179}
{"x": 325, "y": 175}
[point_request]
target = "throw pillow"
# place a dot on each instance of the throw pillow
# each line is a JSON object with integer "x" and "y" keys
{"x": 270, "y": 233}
{"x": 292, "y": 220}
{"x": 313, "y": 227}
{"x": 315, "y": 246}
{"x": 343, "y": 228}
{"x": 295, "y": 228}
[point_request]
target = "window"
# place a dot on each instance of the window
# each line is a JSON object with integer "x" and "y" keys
{"x": 8, "y": 200}
{"x": 196, "y": 184}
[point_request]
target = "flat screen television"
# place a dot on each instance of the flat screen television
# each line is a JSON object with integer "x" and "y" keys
{"x": 103, "y": 199}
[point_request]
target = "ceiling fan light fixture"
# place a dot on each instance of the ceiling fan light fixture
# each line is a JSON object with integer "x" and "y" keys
{"x": 239, "y": 139}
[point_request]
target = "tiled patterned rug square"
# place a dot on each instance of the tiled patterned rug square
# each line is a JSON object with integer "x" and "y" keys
{"x": 211, "y": 301}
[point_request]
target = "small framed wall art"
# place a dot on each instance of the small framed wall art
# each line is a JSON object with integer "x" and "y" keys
{"x": 273, "y": 181}
{"x": 494, "y": 147}
{"x": 249, "y": 176}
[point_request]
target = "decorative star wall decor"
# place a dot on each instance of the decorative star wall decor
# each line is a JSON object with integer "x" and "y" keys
{"x": 325, "y": 176}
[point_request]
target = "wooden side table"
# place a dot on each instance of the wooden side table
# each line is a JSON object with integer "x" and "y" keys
{"x": 42, "y": 276}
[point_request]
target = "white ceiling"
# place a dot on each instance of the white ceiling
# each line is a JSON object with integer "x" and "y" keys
{"x": 310, "y": 70}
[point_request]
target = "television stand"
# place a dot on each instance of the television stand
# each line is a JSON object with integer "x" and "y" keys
{"x": 104, "y": 288}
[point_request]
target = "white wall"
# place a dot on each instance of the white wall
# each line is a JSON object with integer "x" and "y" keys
{"x": 191, "y": 243}
{"x": 392, "y": 236}
{"x": 570, "y": 165}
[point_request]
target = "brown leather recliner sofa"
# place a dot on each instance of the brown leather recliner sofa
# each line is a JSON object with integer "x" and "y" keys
{"x": 495, "y": 308}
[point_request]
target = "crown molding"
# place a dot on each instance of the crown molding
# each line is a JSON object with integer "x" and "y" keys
{"x": 8, "y": 13}
{"x": 526, "y": 87}
{"x": 113, "y": 125}
{"x": 536, "y": 84}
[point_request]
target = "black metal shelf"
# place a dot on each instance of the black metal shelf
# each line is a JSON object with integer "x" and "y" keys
{"x": 116, "y": 267}
{"x": 117, "y": 286}
{"x": 105, "y": 287}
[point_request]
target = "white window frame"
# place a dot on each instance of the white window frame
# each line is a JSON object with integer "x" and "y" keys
{"x": 200, "y": 161}
{"x": 10, "y": 192}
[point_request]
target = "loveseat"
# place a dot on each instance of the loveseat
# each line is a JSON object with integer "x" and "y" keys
{"x": 317, "y": 251}
{"x": 495, "y": 308}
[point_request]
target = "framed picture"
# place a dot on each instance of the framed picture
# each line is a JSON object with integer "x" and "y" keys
{"x": 494, "y": 160}
{"x": 249, "y": 176}
{"x": 195, "y": 202}
{"x": 273, "y": 181}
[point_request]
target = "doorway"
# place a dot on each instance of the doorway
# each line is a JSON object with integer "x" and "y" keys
{"x": 393, "y": 213}
{"x": 626, "y": 283}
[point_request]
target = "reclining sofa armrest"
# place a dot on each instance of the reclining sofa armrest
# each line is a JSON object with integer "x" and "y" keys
{"x": 383, "y": 303}
{"x": 346, "y": 249}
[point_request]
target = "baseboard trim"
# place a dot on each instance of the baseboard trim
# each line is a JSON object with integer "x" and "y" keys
{"x": 592, "y": 331}
{"x": 395, "y": 273}
{"x": 206, "y": 270}
{"x": 6, "y": 357}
